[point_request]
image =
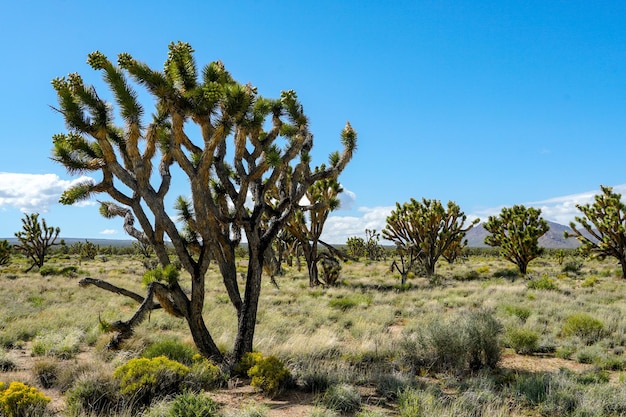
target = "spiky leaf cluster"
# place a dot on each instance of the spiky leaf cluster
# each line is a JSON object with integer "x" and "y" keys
{"x": 516, "y": 231}
{"x": 5, "y": 252}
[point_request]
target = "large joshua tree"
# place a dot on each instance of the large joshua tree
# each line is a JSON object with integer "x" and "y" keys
{"x": 516, "y": 231}
{"x": 603, "y": 224}
{"x": 232, "y": 145}
{"x": 425, "y": 229}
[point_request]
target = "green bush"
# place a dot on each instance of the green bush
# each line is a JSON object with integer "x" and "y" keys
{"x": 471, "y": 341}
{"x": 94, "y": 395}
{"x": 144, "y": 379}
{"x": 61, "y": 345}
{"x": 573, "y": 266}
{"x": 172, "y": 349}
{"x": 589, "y": 281}
{"x": 347, "y": 302}
{"x": 21, "y": 400}
{"x": 543, "y": 283}
{"x": 269, "y": 374}
{"x": 46, "y": 373}
{"x": 533, "y": 388}
{"x": 248, "y": 360}
{"x": 521, "y": 313}
{"x": 192, "y": 405}
{"x": 6, "y": 363}
{"x": 343, "y": 398}
{"x": 203, "y": 375}
{"x": 584, "y": 326}
{"x": 522, "y": 341}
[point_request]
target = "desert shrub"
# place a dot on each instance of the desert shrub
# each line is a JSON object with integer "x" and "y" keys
{"x": 410, "y": 403}
{"x": 249, "y": 410}
{"x": 343, "y": 398}
{"x": 543, "y": 283}
{"x": 507, "y": 273}
{"x": 483, "y": 339}
{"x": 470, "y": 275}
{"x": 6, "y": 363}
{"x": 316, "y": 380}
{"x": 46, "y": 373}
{"x": 21, "y": 400}
{"x": 589, "y": 281}
{"x": 203, "y": 375}
{"x": 94, "y": 394}
{"x": 563, "y": 398}
{"x": 573, "y": 266}
{"x": 348, "y": 302}
{"x": 532, "y": 388}
{"x": 390, "y": 385}
{"x": 587, "y": 328}
{"x": 522, "y": 341}
{"x": 593, "y": 377}
{"x": 269, "y": 374}
{"x": 57, "y": 344}
{"x": 521, "y": 313}
{"x": 66, "y": 271}
{"x": 471, "y": 341}
{"x": 172, "y": 349}
{"x": 192, "y": 405}
{"x": 144, "y": 379}
{"x": 248, "y": 360}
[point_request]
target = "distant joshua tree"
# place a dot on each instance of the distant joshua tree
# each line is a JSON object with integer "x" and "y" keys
{"x": 516, "y": 231}
{"x": 36, "y": 239}
{"x": 426, "y": 229}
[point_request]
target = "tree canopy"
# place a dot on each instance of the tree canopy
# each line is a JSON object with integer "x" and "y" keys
{"x": 602, "y": 227}
{"x": 246, "y": 160}
{"x": 516, "y": 231}
{"x": 426, "y": 229}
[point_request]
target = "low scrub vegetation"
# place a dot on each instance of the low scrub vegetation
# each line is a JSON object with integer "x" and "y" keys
{"x": 427, "y": 349}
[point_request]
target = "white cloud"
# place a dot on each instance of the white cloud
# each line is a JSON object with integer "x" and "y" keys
{"x": 347, "y": 199}
{"x": 33, "y": 192}
{"x": 108, "y": 232}
{"x": 561, "y": 209}
{"x": 339, "y": 228}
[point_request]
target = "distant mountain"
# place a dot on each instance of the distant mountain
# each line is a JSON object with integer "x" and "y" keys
{"x": 553, "y": 239}
{"x": 99, "y": 242}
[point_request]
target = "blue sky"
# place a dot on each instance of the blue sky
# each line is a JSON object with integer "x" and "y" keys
{"x": 488, "y": 104}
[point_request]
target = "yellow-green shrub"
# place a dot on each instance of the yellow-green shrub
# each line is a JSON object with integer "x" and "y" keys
{"x": 269, "y": 374}
{"x": 19, "y": 399}
{"x": 247, "y": 362}
{"x": 144, "y": 379}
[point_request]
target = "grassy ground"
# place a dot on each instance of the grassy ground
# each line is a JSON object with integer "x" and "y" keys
{"x": 392, "y": 350}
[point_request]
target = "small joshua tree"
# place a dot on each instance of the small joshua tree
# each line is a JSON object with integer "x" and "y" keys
{"x": 36, "y": 239}
{"x": 5, "y": 252}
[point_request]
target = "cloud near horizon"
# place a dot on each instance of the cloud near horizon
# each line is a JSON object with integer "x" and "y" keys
{"x": 33, "y": 192}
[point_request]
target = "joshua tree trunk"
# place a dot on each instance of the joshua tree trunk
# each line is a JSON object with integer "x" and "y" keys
{"x": 247, "y": 316}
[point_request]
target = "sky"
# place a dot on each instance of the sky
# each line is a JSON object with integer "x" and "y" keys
{"x": 485, "y": 103}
